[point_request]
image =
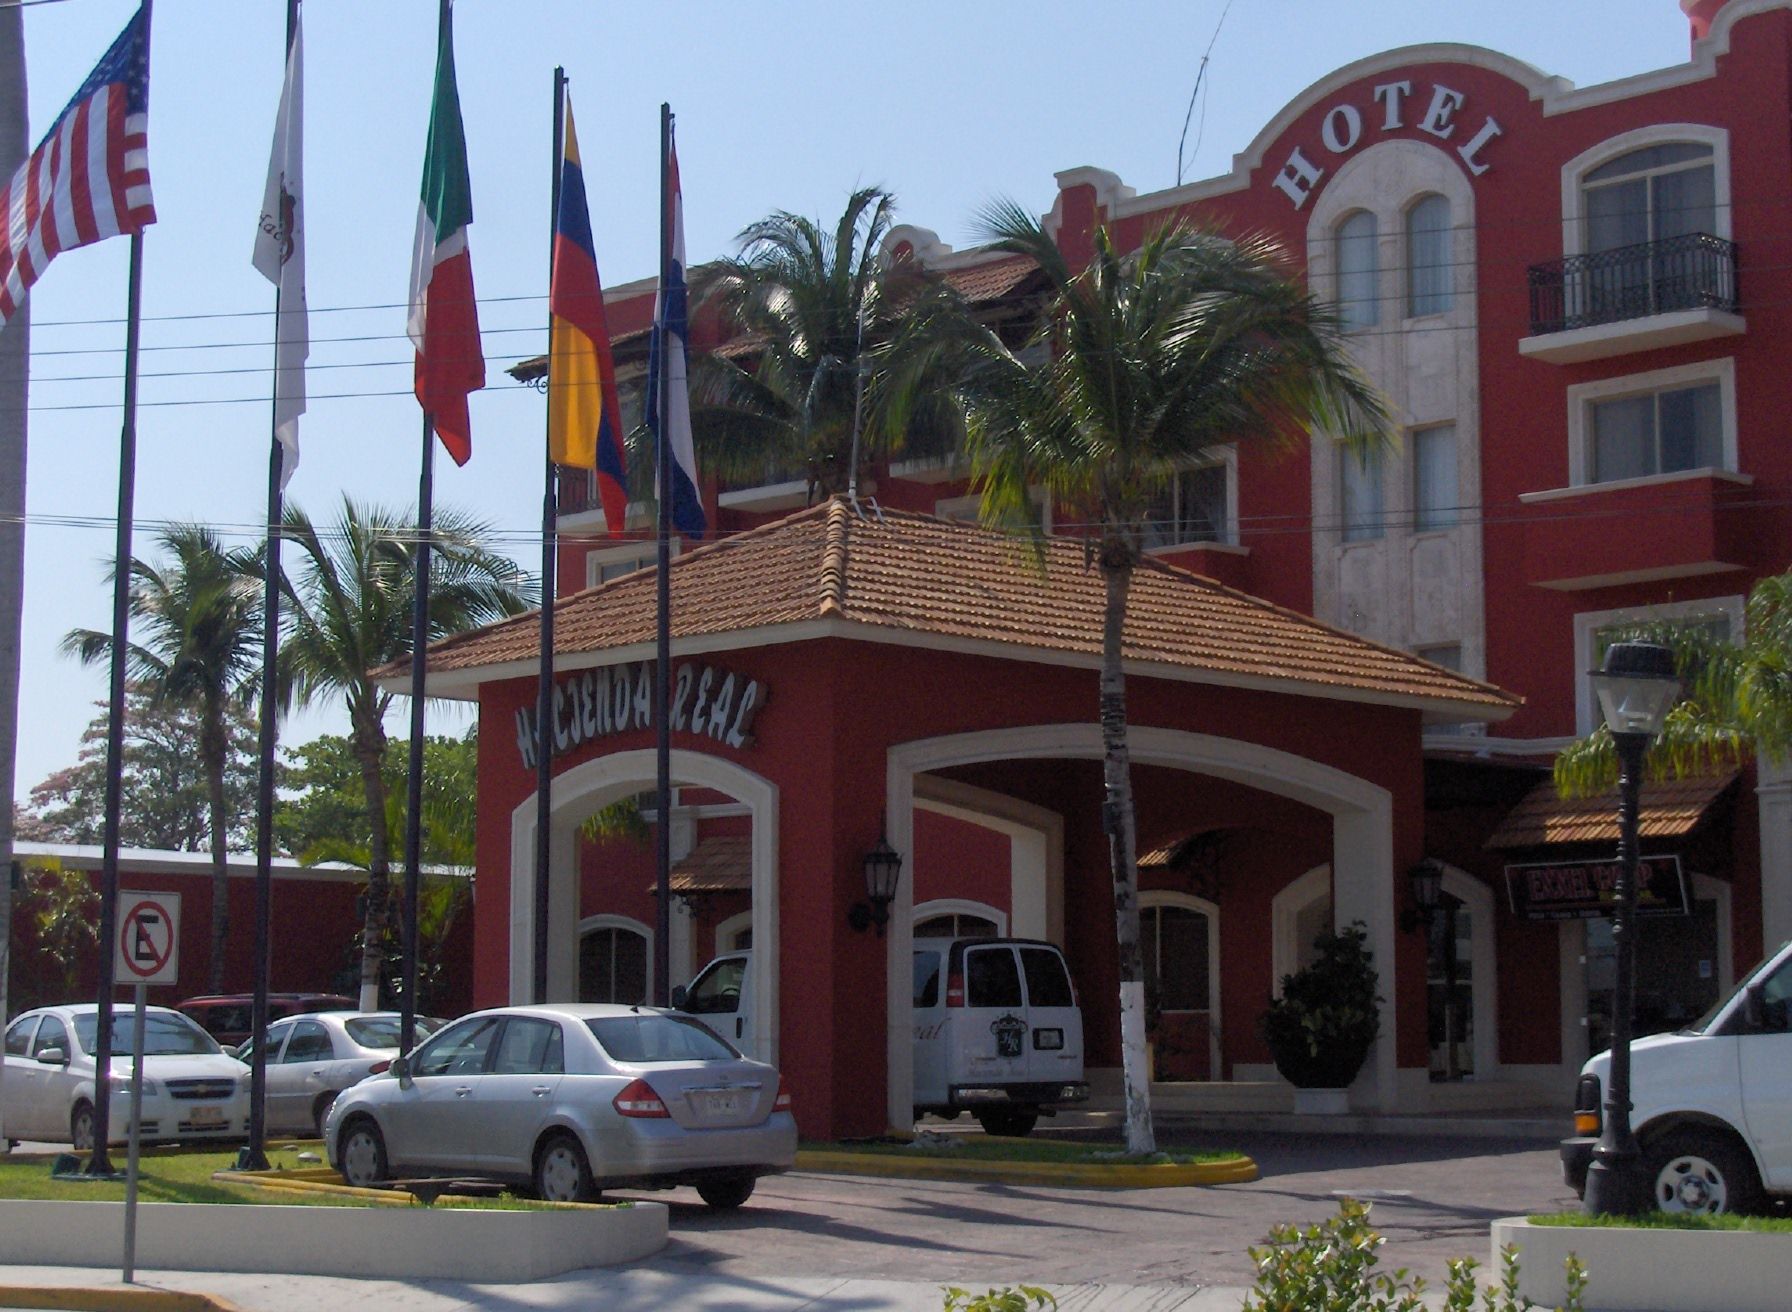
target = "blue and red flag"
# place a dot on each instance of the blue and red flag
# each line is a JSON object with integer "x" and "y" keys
{"x": 671, "y": 329}
{"x": 584, "y": 414}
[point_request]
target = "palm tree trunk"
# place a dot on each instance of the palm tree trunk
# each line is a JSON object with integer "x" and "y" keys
{"x": 213, "y": 748}
{"x": 370, "y": 749}
{"x": 1119, "y": 822}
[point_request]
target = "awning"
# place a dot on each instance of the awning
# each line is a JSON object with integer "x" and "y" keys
{"x": 722, "y": 864}
{"x": 1671, "y": 808}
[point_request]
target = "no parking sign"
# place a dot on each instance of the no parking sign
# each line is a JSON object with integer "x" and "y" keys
{"x": 148, "y": 949}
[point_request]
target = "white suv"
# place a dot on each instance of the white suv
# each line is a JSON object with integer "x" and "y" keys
{"x": 1711, "y": 1104}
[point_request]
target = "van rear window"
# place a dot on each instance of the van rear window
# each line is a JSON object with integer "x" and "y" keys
{"x": 1048, "y": 983}
{"x": 991, "y": 978}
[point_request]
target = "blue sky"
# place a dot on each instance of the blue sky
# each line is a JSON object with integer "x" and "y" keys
{"x": 785, "y": 106}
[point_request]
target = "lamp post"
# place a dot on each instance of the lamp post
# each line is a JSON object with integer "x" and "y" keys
{"x": 1636, "y": 688}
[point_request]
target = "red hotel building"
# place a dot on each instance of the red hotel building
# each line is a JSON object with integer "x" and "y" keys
{"x": 1579, "y": 301}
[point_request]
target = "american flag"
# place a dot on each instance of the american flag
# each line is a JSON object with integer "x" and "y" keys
{"x": 88, "y": 179}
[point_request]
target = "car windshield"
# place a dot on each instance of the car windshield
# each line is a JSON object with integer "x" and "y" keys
{"x": 652, "y": 1037}
{"x": 382, "y": 1031}
{"x": 164, "y": 1035}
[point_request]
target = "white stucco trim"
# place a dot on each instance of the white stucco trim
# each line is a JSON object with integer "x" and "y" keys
{"x": 1189, "y": 902}
{"x": 584, "y": 788}
{"x": 1285, "y": 907}
{"x": 1362, "y": 853}
{"x": 964, "y": 906}
{"x": 727, "y": 929}
{"x": 1035, "y": 849}
{"x": 1589, "y": 622}
{"x": 1483, "y": 966}
{"x": 588, "y": 924}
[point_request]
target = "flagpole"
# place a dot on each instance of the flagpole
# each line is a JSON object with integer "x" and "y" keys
{"x": 254, "y": 1155}
{"x": 544, "y": 693}
{"x": 101, "y": 1163}
{"x": 662, "y": 923}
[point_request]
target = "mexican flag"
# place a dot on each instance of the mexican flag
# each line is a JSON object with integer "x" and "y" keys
{"x": 444, "y": 318}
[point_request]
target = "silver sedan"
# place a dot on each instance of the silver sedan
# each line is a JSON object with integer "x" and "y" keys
{"x": 569, "y": 1100}
{"x": 312, "y": 1058}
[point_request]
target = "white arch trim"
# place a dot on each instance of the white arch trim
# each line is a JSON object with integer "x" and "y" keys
{"x": 1483, "y": 966}
{"x": 590, "y": 924}
{"x": 1362, "y": 851}
{"x": 727, "y": 929}
{"x": 1284, "y": 913}
{"x": 584, "y": 788}
{"x": 1035, "y": 849}
{"x": 960, "y": 906}
{"x": 1189, "y": 902}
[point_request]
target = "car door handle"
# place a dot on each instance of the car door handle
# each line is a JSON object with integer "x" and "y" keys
{"x": 542, "y": 1090}
{"x": 463, "y": 1091}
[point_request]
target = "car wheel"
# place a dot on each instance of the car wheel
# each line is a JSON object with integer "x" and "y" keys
{"x": 320, "y": 1111}
{"x": 363, "y": 1154}
{"x": 562, "y": 1174}
{"x": 727, "y": 1194}
{"x": 1012, "y": 1122}
{"x": 80, "y": 1127}
{"x": 1698, "y": 1171}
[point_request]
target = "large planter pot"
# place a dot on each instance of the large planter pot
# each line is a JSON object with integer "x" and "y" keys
{"x": 1321, "y": 1102}
{"x": 1663, "y": 1270}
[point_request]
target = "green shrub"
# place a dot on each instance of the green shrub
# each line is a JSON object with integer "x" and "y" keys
{"x": 1321, "y": 1028}
{"x": 1330, "y": 1267}
{"x": 1018, "y": 1299}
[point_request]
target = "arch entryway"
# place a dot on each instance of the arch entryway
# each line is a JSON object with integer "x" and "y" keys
{"x": 587, "y": 787}
{"x": 1362, "y": 851}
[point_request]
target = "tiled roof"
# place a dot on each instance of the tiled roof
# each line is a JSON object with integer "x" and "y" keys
{"x": 904, "y": 577}
{"x": 1671, "y": 808}
{"x": 979, "y": 283}
{"x": 719, "y": 864}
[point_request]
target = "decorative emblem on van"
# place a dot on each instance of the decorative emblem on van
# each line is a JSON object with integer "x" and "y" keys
{"x": 1009, "y": 1031}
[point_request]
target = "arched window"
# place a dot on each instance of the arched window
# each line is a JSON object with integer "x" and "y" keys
{"x": 1359, "y": 271}
{"x": 953, "y": 917}
{"x": 1430, "y": 281}
{"x": 612, "y": 961}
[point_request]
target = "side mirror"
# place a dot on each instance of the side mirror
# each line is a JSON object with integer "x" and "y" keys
{"x": 53, "y": 1056}
{"x": 679, "y": 994}
{"x": 401, "y": 1069}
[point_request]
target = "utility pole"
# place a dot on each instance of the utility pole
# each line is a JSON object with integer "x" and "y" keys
{"x": 15, "y": 359}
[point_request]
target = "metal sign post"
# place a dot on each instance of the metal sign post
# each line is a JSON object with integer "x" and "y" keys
{"x": 147, "y": 952}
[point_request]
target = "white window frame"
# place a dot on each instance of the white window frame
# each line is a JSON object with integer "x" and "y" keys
{"x": 1581, "y": 397}
{"x": 591, "y": 924}
{"x": 1656, "y": 134}
{"x": 1224, "y": 457}
{"x": 643, "y": 552}
{"x": 1377, "y": 526}
{"x": 1589, "y": 623}
{"x": 959, "y": 906}
{"x": 1349, "y": 322}
{"x": 1189, "y": 902}
{"x": 1455, "y": 509}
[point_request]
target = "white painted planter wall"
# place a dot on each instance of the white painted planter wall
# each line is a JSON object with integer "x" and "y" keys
{"x": 1322, "y": 1102}
{"x": 389, "y": 1243}
{"x": 1653, "y": 1270}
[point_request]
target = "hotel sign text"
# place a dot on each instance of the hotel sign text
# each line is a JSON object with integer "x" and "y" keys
{"x": 591, "y": 704}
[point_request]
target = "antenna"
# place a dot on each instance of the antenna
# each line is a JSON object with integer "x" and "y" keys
{"x": 1200, "y": 73}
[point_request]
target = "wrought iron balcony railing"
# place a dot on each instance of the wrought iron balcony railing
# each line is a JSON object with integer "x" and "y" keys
{"x": 1693, "y": 272}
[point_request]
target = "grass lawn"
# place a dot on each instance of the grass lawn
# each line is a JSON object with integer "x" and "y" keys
{"x": 1773, "y": 1225}
{"x": 184, "y": 1175}
{"x": 980, "y": 1148}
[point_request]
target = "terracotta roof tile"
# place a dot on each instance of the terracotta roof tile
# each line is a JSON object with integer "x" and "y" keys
{"x": 720, "y": 864}
{"x": 979, "y": 283}
{"x": 905, "y": 574}
{"x": 1671, "y": 808}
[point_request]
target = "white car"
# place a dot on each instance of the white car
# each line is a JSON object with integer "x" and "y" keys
{"x": 569, "y": 1100}
{"x": 192, "y": 1091}
{"x": 312, "y": 1058}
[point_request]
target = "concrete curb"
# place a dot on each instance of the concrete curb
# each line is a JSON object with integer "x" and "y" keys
{"x": 117, "y": 1299}
{"x": 1232, "y": 1170}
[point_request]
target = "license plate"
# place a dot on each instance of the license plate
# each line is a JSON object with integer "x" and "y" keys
{"x": 207, "y": 1116}
{"x": 724, "y": 1104}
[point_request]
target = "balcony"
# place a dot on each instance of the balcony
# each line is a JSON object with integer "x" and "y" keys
{"x": 1641, "y": 530}
{"x": 1633, "y": 298}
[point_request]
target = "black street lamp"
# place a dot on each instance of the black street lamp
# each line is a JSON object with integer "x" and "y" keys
{"x": 883, "y": 868}
{"x": 1636, "y": 688}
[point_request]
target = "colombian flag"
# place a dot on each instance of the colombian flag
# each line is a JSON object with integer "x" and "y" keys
{"x": 584, "y": 415}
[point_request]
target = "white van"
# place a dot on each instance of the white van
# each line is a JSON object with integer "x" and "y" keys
{"x": 1711, "y": 1105}
{"x": 997, "y": 1029}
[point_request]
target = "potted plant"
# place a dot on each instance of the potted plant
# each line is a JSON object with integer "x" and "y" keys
{"x": 1321, "y": 1028}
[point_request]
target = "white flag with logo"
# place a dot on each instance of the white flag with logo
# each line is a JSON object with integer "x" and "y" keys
{"x": 280, "y": 257}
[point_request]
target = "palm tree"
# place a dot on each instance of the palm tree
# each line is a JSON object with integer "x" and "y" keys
{"x": 351, "y": 612}
{"x": 1737, "y": 697}
{"x": 807, "y": 310}
{"x": 1190, "y": 342}
{"x": 201, "y": 618}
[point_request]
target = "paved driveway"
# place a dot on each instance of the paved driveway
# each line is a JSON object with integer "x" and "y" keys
{"x": 1432, "y": 1199}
